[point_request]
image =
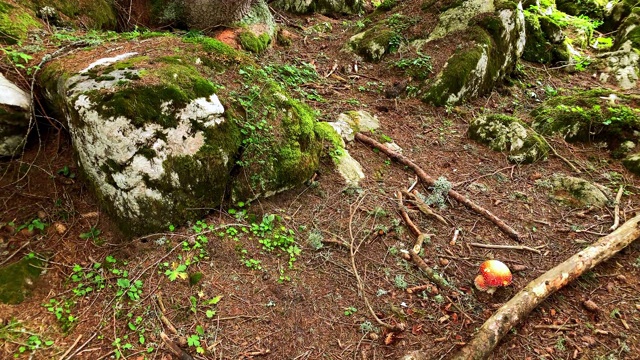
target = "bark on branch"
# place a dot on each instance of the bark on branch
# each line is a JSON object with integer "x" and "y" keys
{"x": 514, "y": 311}
{"x": 430, "y": 181}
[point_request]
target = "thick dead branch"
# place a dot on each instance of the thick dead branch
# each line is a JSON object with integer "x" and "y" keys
{"x": 514, "y": 311}
{"x": 174, "y": 348}
{"x": 430, "y": 181}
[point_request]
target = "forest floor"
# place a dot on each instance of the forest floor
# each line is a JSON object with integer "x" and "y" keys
{"x": 236, "y": 300}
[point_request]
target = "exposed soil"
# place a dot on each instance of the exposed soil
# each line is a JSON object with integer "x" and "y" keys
{"x": 314, "y": 310}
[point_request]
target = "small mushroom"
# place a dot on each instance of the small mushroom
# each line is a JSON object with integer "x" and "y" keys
{"x": 493, "y": 274}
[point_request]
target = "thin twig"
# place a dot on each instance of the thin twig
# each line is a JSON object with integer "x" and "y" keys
{"x": 71, "y": 347}
{"x": 17, "y": 251}
{"x": 79, "y": 349}
{"x": 616, "y": 214}
{"x": 507, "y": 247}
{"x": 174, "y": 348}
{"x": 353, "y": 249}
{"x": 430, "y": 181}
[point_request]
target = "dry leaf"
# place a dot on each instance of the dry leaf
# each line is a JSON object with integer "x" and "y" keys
{"x": 389, "y": 339}
{"x": 416, "y": 329}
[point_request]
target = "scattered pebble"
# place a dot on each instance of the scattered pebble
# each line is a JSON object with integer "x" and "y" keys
{"x": 590, "y": 305}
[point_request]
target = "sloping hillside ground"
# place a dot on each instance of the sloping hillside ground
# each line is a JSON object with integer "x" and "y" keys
{"x": 234, "y": 284}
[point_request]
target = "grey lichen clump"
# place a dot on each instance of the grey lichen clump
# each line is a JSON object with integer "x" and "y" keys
{"x": 577, "y": 192}
{"x": 506, "y": 133}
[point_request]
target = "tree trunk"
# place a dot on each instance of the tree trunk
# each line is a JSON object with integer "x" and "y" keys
{"x": 514, "y": 311}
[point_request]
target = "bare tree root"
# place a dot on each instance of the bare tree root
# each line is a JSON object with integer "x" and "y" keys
{"x": 431, "y": 274}
{"x": 430, "y": 181}
{"x": 514, "y": 311}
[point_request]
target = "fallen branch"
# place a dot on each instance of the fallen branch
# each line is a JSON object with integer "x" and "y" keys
{"x": 163, "y": 318}
{"x": 430, "y": 181}
{"x": 514, "y": 311}
{"x": 414, "y": 229}
{"x": 507, "y": 247}
{"x": 432, "y": 274}
{"x": 616, "y": 213}
{"x": 422, "y": 206}
{"x": 174, "y": 348}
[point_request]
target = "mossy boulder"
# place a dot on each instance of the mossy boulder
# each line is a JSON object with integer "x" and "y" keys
{"x": 15, "y": 112}
{"x": 320, "y": 6}
{"x": 595, "y": 9}
{"x": 497, "y": 40}
{"x": 617, "y": 15}
{"x": 509, "y": 134}
{"x": 91, "y": 14}
{"x": 623, "y": 63}
{"x": 456, "y": 17}
{"x": 632, "y": 163}
{"x": 576, "y": 192}
{"x": 15, "y": 22}
{"x": 18, "y": 280}
{"x": 375, "y": 42}
{"x": 545, "y": 40}
{"x": 157, "y": 135}
{"x": 594, "y": 115}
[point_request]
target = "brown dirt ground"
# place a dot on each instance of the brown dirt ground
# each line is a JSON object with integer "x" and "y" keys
{"x": 304, "y": 318}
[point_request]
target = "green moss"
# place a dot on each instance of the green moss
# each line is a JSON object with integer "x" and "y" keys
{"x": 594, "y": 9}
{"x": 92, "y": 14}
{"x": 15, "y": 23}
{"x": 589, "y": 116}
{"x": 256, "y": 44}
{"x": 18, "y": 280}
{"x": 328, "y": 134}
{"x": 456, "y": 74}
{"x": 374, "y": 43}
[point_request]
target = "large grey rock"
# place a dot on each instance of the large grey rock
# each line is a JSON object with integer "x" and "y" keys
{"x": 498, "y": 38}
{"x": 577, "y": 192}
{"x": 506, "y": 133}
{"x": 15, "y": 112}
{"x": 155, "y": 141}
{"x": 632, "y": 163}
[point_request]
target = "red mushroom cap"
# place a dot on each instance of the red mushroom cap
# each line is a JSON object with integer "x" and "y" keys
{"x": 480, "y": 284}
{"x": 495, "y": 273}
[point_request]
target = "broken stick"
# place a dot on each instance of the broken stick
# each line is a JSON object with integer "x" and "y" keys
{"x": 511, "y": 313}
{"x": 430, "y": 181}
{"x": 174, "y": 348}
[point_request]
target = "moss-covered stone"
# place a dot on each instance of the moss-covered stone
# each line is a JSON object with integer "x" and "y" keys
{"x": 158, "y": 136}
{"x": 92, "y": 14}
{"x": 375, "y": 42}
{"x": 576, "y": 192}
{"x": 545, "y": 41}
{"x": 256, "y": 44}
{"x": 15, "y": 23}
{"x": 506, "y": 133}
{"x": 594, "y": 115}
{"x": 595, "y": 9}
{"x": 617, "y": 15}
{"x": 18, "y": 280}
{"x": 320, "y": 6}
{"x": 632, "y": 163}
{"x": 498, "y": 41}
